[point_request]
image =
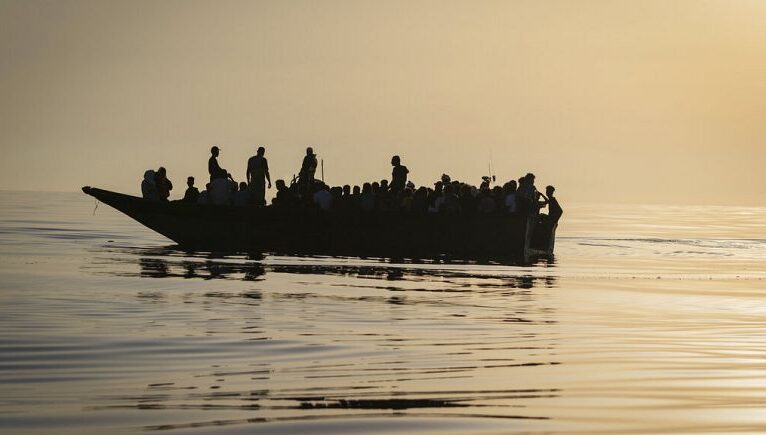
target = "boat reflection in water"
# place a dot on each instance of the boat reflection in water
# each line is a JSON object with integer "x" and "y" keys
{"x": 335, "y": 340}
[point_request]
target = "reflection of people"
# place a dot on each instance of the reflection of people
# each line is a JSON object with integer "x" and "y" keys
{"x": 308, "y": 169}
{"x": 257, "y": 175}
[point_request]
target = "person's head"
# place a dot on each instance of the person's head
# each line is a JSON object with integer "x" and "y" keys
{"x": 445, "y": 179}
{"x": 281, "y": 184}
{"x": 356, "y": 190}
{"x": 512, "y": 186}
{"x": 242, "y": 186}
{"x": 367, "y": 188}
{"x": 396, "y": 161}
{"x": 549, "y": 190}
{"x": 190, "y": 181}
{"x": 375, "y": 187}
{"x": 384, "y": 184}
{"x": 530, "y": 178}
{"x": 309, "y": 151}
{"x": 162, "y": 172}
{"x": 214, "y": 151}
{"x": 346, "y": 189}
{"x": 438, "y": 186}
{"x": 261, "y": 151}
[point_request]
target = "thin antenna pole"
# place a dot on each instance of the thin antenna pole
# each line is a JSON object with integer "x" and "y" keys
{"x": 322, "y": 170}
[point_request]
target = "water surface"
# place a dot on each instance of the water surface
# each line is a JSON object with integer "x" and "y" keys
{"x": 649, "y": 319}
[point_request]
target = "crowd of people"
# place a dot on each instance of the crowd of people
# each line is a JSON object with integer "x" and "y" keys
{"x": 449, "y": 197}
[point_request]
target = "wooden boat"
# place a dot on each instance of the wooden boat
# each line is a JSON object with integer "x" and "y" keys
{"x": 273, "y": 229}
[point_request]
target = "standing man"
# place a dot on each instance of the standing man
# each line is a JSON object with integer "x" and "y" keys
{"x": 554, "y": 209}
{"x": 308, "y": 169}
{"x": 257, "y": 175}
{"x": 398, "y": 175}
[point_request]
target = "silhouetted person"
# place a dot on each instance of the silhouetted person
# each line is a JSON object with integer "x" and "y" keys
{"x": 435, "y": 197}
{"x": 367, "y": 198}
{"x": 308, "y": 169}
{"x": 322, "y": 197}
{"x": 164, "y": 186}
{"x": 450, "y": 204}
{"x": 467, "y": 200}
{"x": 284, "y": 196}
{"x": 204, "y": 196}
{"x": 510, "y": 196}
{"x": 213, "y": 168}
{"x": 242, "y": 196}
{"x": 486, "y": 202}
{"x": 527, "y": 195}
{"x": 398, "y": 174}
{"x": 257, "y": 176}
{"x": 419, "y": 204}
{"x": 149, "y": 186}
{"x": 405, "y": 200}
{"x": 192, "y": 193}
{"x": 554, "y": 209}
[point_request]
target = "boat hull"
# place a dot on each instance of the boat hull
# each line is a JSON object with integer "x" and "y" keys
{"x": 270, "y": 229}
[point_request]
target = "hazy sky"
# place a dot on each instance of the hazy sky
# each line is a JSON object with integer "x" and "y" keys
{"x": 646, "y": 101}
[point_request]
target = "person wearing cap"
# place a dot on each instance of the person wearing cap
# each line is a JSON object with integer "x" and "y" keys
{"x": 257, "y": 175}
{"x": 213, "y": 167}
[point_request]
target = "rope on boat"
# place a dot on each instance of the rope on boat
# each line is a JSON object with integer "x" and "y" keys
{"x": 96, "y": 207}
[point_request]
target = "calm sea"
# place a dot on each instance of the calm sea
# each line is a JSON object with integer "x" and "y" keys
{"x": 650, "y": 319}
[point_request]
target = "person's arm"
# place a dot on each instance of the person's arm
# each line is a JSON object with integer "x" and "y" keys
{"x": 266, "y": 171}
{"x": 544, "y": 202}
{"x": 247, "y": 172}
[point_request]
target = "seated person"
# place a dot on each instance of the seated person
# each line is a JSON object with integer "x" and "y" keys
{"x": 242, "y": 196}
{"x": 204, "y": 196}
{"x": 148, "y": 186}
{"x": 192, "y": 193}
{"x": 164, "y": 186}
{"x": 284, "y": 197}
{"x": 220, "y": 192}
{"x": 323, "y": 197}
